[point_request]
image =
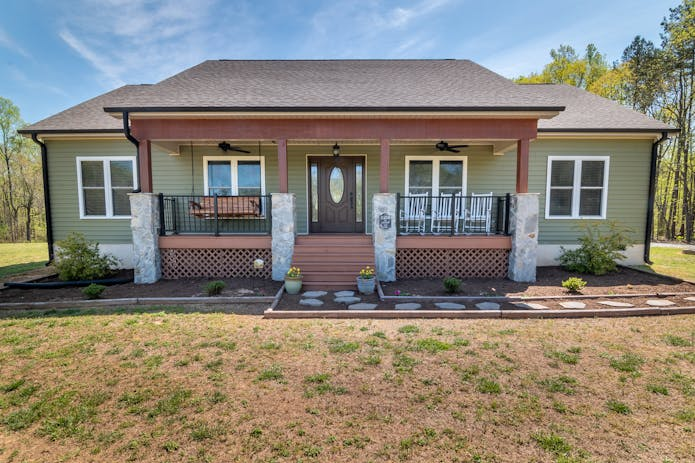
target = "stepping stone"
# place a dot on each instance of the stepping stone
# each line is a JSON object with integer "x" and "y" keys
{"x": 347, "y": 300}
{"x": 660, "y": 302}
{"x": 362, "y": 306}
{"x": 408, "y": 306}
{"x": 690, "y": 299}
{"x": 245, "y": 291}
{"x": 615, "y": 304}
{"x": 311, "y": 302}
{"x": 449, "y": 305}
{"x": 488, "y": 305}
{"x": 530, "y": 305}
{"x": 573, "y": 305}
{"x": 344, "y": 294}
{"x": 314, "y": 294}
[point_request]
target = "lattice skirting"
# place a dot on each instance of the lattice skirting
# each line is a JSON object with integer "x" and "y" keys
{"x": 462, "y": 263}
{"x": 214, "y": 263}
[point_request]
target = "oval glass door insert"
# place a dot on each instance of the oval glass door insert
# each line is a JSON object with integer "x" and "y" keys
{"x": 336, "y": 184}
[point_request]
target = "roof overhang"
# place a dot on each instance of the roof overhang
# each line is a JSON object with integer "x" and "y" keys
{"x": 338, "y": 113}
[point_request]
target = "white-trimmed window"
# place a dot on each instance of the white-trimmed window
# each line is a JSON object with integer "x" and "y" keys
{"x": 234, "y": 176}
{"x": 103, "y": 184}
{"x": 577, "y": 187}
{"x": 443, "y": 175}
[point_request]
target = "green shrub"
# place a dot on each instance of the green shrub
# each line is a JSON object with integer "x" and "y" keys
{"x": 214, "y": 288}
{"x": 79, "y": 259}
{"x": 451, "y": 284}
{"x": 574, "y": 284}
{"x": 599, "y": 251}
{"x": 93, "y": 291}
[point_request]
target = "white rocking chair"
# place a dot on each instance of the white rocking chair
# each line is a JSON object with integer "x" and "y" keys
{"x": 413, "y": 213}
{"x": 441, "y": 219}
{"x": 479, "y": 214}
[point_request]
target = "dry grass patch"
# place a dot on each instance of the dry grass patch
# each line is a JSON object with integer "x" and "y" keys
{"x": 167, "y": 386}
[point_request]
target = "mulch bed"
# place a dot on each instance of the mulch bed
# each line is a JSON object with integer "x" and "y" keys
{"x": 189, "y": 287}
{"x": 548, "y": 283}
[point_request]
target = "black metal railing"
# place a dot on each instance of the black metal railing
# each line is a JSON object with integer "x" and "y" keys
{"x": 214, "y": 215}
{"x": 452, "y": 215}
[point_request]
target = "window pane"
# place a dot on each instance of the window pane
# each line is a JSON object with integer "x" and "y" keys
{"x": 92, "y": 173}
{"x": 249, "y": 191}
{"x": 249, "y": 175}
{"x": 121, "y": 174}
{"x": 450, "y": 176}
{"x": 121, "y": 203}
{"x": 358, "y": 192}
{"x": 590, "y": 202}
{"x": 420, "y": 177}
{"x": 314, "y": 193}
{"x": 336, "y": 184}
{"x": 592, "y": 173}
{"x": 94, "y": 203}
{"x": 561, "y": 202}
{"x": 220, "y": 191}
{"x": 219, "y": 175}
{"x": 562, "y": 173}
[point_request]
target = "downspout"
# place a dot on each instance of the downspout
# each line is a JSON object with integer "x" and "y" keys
{"x": 651, "y": 199}
{"x": 134, "y": 141}
{"x": 46, "y": 196}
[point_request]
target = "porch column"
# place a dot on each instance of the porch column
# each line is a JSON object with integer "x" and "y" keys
{"x": 282, "y": 165}
{"x": 283, "y": 233}
{"x": 523, "y": 226}
{"x": 144, "y": 224}
{"x": 145, "y": 167}
{"x": 384, "y": 165}
{"x": 384, "y": 235}
{"x": 522, "y": 148}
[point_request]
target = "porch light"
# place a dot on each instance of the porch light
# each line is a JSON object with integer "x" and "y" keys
{"x": 336, "y": 150}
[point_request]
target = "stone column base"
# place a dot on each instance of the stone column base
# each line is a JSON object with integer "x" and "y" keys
{"x": 384, "y": 235}
{"x": 144, "y": 224}
{"x": 283, "y": 233}
{"x": 523, "y": 226}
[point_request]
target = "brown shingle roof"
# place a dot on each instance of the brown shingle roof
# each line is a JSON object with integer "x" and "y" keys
{"x": 335, "y": 85}
{"x": 348, "y": 85}
{"x": 585, "y": 111}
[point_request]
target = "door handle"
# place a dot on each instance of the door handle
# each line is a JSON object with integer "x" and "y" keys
{"x": 352, "y": 200}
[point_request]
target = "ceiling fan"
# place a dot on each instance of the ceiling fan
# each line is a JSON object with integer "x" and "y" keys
{"x": 224, "y": 146}
{"x": 444, "y": 146}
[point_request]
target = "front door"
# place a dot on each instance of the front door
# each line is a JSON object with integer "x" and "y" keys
{"x": 336, "y": 194}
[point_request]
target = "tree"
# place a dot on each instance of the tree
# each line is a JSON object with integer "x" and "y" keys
{"x": 10, "y": 146}
{"x": 566, "y": 67}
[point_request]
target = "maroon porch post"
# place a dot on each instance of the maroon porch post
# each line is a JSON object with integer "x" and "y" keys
{"x": 282, "y": 165}
{"x": 522, "y": 154}
{"x": 145, "y": 167}
{"x": 384, "y": 165}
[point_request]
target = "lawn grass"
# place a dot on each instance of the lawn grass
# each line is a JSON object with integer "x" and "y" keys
{"x": 175, "y": 386}
{"x": 673, "y": 262}
{"x": 21, "y": 257}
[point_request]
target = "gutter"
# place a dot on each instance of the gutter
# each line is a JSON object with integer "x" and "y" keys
{"x": 134, "y": 141}
{"x": 652, "y": 195}
{"x": 46, "y": 196}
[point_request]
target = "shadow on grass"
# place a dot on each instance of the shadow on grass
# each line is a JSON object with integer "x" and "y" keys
{"x": 15, "y": 269}
{"x": 241, "y": 309}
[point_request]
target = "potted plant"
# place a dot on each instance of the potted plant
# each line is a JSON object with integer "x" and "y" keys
{"x": 366, "y": 281}
{"x": 293, "y": 280}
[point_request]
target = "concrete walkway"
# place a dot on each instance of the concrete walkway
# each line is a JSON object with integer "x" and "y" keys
{"x": 674, "y": 245}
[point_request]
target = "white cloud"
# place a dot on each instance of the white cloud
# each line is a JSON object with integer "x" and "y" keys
{"x": 7, "y": 42}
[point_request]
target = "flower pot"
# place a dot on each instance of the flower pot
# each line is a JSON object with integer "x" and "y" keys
{"x": 366, "y": 285}
{"x": 293, "y": 285}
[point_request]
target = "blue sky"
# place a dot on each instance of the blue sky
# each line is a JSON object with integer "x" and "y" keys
{"x": 55, "y": 54}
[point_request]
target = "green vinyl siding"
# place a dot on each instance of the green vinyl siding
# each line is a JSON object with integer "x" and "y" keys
{"x": 62, "y": 168}
{"x": 627, "y": 183}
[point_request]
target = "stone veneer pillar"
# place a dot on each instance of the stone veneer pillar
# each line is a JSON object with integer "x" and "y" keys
{"x": 144, "y": 224}
{"x": 523, "y": 226}
{"x": 283, "y": 233}
{"x": 384, "y": 235}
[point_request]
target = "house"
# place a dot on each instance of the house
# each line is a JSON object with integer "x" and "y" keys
{"x": 423, "y": 167}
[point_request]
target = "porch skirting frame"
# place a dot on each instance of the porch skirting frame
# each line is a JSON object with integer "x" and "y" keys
{"x": 462, "y": 257}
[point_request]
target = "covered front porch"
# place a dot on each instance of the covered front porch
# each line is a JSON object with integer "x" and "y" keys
{"x": 426, "y": 211}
